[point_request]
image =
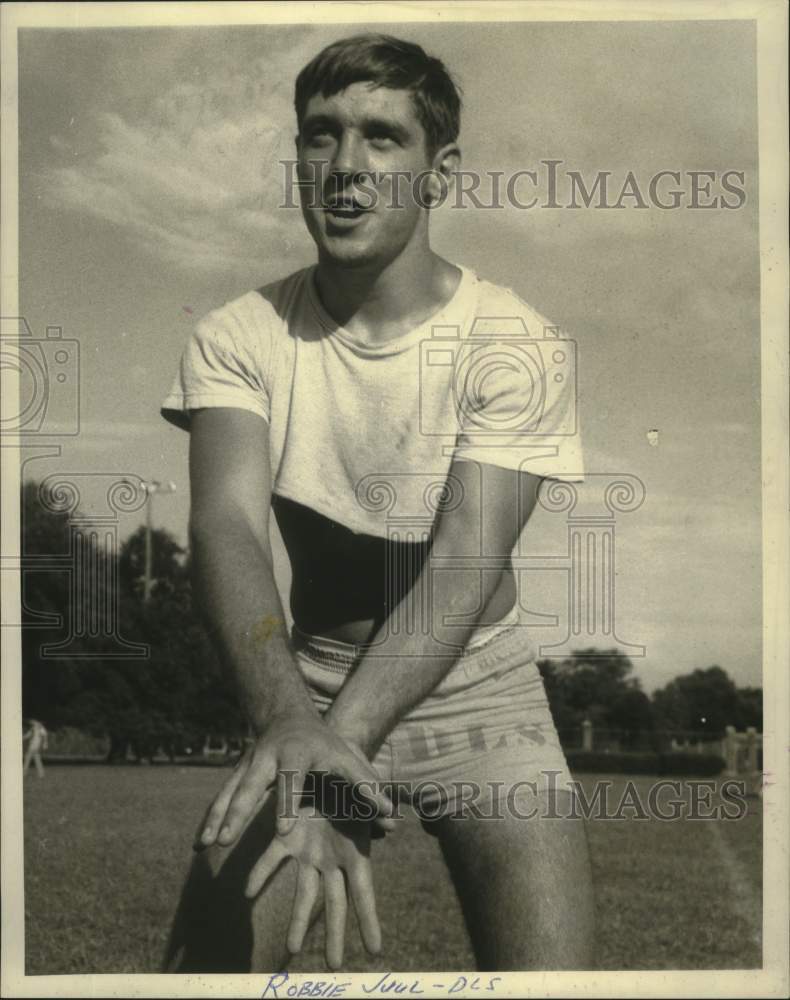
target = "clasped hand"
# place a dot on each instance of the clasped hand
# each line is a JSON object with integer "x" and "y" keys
{"x": 314, "y": 829}
{"x": 333, "y": 851}
{"x": 290, "y": 749}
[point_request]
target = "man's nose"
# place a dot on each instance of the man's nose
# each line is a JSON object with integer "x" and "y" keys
{"x": 350, "y": 156}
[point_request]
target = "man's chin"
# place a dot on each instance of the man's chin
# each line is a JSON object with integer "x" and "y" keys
{"x": 346, "y": 253}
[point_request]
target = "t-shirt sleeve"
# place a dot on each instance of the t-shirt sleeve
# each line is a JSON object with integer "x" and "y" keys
{"x": 516, "y": 401}
{"x": 225, "y": 363}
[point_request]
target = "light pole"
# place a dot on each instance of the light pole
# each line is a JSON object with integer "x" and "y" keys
{"x": 154, "y": 486}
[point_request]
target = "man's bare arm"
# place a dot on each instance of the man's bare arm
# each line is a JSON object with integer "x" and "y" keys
{"x": 235, "y": 586}
{"x": 232, "y": 561}
{"x": 384, "y": 687}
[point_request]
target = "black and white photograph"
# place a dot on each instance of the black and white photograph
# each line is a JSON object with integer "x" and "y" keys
{"x": 395, "y": 482}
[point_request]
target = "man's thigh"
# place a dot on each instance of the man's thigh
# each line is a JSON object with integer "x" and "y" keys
{"x": 524, "y": 886}
{"x": 485, "y": 748}
{"x": 216, "y": 928}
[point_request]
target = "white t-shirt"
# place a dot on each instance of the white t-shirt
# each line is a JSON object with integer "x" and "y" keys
{"x": 365, "y": 433}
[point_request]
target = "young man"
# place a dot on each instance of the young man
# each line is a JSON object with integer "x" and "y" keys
{"x": 381, "y": 405}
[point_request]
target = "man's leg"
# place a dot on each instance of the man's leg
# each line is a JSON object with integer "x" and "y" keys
{"x": 28, "y": 758}
{"x": 39, "y": 764}
{"x": 525, "y": 888}
{"x": 216, "y": 928}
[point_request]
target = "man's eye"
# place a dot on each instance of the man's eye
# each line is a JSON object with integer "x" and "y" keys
{"x": 381, "y": 140}
{"x": 321, "y": 137}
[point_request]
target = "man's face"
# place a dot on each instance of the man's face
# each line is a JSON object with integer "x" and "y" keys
{"x": 354, "y": 149}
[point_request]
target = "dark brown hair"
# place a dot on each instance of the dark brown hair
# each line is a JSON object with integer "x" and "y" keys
{"x": 386, "y": 62}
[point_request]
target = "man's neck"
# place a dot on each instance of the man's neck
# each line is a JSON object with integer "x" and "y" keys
{"x": 382, "y": 303}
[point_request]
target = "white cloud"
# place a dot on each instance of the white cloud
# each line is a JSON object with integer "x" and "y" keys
{"x": 196, "y": 180}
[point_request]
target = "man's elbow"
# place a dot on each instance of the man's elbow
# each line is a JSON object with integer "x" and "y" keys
{"x": 464, "y": 595}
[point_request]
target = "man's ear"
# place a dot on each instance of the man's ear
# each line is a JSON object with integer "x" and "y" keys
{"x": 444, "y": 166}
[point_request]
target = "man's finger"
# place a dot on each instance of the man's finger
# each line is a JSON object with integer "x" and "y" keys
{"x": 365, "y": 783}
{"x": 335, "y": 908}
{"x": 360, "y": 884}
{"x": 290, "y": 785}
{"x": 210, "y": 827}
{"x": 308, "y": 882}
{"x": 386, "y": 823}
{"x": 265, "y": 867}
{"x": 247, "y": 798}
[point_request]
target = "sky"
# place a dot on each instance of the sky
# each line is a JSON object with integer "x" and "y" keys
{"x": 149, "y": 194}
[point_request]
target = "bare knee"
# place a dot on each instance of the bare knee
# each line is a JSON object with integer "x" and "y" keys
{"x": 217, "y": 928}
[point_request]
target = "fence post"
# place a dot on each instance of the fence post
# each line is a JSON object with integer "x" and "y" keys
{"x": 731, "y": 752}
{"x": 753, "y": 776}
{"x": 587, "y": 735}
{"x": 751, "y": 749}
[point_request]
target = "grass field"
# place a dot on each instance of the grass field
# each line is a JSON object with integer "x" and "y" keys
{"x": 106, "y": 850}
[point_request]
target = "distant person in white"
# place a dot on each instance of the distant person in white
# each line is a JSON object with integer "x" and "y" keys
{"x": 38, "y": 737}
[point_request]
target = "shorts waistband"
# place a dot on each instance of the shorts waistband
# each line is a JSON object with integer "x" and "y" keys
{"x": 346, "y": 654}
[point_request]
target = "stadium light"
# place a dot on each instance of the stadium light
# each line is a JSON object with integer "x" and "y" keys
{"x": 151, "y": 487}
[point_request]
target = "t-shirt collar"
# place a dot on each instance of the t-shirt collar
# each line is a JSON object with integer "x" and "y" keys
{"x": 453, "y": 309}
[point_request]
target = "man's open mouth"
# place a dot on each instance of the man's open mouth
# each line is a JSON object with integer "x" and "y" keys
{"x": 345, "y": 209}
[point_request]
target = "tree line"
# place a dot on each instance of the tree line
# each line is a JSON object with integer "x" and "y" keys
{"x": 179, "y": 692}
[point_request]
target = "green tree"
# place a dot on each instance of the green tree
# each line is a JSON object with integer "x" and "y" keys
{"x": 167, "y": 562}
{"x": 631, "y": 713}
{"x": 172, "y": 698}
{"x": 46, "y": 683}
{"x": 750, "y": 708}
{"x": 702, "y": 701}
{"x": 596, "y": 685}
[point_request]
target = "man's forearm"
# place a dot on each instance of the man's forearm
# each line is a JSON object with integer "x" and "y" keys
{"x": 234, "y": 583}
{"x": 385, "y": 686}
